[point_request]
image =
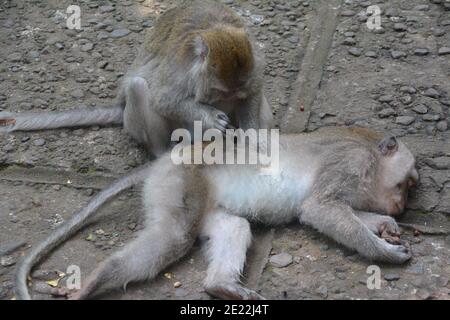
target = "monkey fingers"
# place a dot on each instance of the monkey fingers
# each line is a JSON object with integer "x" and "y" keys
{"x": 394, "y": 238}
{"x": 222, "y": 122}
{"x": 389, "y": 229}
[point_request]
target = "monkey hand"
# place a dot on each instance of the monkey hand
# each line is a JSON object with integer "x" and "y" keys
{"x": 219, "y": 120}
{"x": 390, "y": 253}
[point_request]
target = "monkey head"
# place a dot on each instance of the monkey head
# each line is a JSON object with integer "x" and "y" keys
{"x": 397, "y": 174}
{"x": 226, "y": 61}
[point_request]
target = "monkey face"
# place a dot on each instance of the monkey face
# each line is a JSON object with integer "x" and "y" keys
{"x": 397, "y": 175}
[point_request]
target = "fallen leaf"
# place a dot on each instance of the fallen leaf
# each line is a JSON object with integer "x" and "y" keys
{"x": 53, "y": 283}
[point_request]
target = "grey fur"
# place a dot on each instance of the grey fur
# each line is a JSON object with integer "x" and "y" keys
{"x": 158, "y": 94}
{"x": 340, "y": 201}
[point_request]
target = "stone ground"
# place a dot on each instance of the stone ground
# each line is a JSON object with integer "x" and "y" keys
{"x": 324, "y": 67}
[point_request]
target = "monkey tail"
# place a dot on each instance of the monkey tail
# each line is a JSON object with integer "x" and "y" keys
{"x": 67, "y": 229}
{"x": 60, "y": 119}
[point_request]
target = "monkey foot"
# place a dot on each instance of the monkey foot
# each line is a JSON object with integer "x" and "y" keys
{"x": 231, "y": 291}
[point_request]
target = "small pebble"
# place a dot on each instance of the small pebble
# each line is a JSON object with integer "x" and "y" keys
{"x": 391, "y": 277}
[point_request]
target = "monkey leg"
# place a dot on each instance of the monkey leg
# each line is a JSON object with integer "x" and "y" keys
{"x": 163, "y": 241}
{"x": 229, "y": 238}
{"x": 142, "y": 121}
{"x": 338, "y": 221}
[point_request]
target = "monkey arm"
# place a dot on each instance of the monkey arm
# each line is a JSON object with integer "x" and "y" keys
{"x": 248, "y": 113}
{"x": 339, "y": 221}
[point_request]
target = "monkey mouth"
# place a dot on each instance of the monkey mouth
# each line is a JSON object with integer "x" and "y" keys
{"x": 7, "y": 122}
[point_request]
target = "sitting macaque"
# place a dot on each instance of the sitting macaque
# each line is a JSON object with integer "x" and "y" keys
{"x": 198, "y": 63}
{"x": 347, "y": 183}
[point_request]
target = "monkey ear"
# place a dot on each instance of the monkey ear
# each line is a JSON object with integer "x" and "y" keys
{"x": 388, "y": 146}
{"x": 201, "y": 48}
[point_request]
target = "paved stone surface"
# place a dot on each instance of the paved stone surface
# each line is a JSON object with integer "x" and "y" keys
{"x": 395, "y": 78}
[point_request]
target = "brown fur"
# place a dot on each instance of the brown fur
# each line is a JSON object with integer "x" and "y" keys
{"x": 230, "y": 54}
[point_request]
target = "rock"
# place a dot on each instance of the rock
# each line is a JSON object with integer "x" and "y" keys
{"x": 105, "y": 9}
{"x": 294, "y": 39}
{"x": 442, "y": 126}
{"x": 385, "y": 113}
{"x": 77, "y": 94}
{"x": 88, "y": 46}
{"x": 442, "y": 281}
{"x": 406, "y": 100}
{"x": 34, "y": 54}
{"x": 7, "y": 261}
{"x": 420, "y": 108}
{"x": 421, "y": 51}
{"x": 405, "y": 120}
{"x": 431, "y": 117}
{"x": 119, "y": 33}
{"x": 444, "y": 51}
{"x": 281, "y": 260}
{"x": 355, "y": 51}
{"x": 422, "y": 7}
{"x": 348, "y": 13}
{"x": 371, "y": 54}
{"x": 102, "y": 35}
{"x": 417, "y": 268}
{"x": 406, "y": 89}
{"x": 432, "y": 93}
{"x": 396, "y": 54}
{"x": 399, "y": 27}
{"x": 349, "y": 41}
{"x": 423, "y": 294}
{"x": 430, "y": 130}
{"x": 386, "y": 98}
{"x": 438, "y": 32}
{"x": 391, "y": 277}
{"x": 323, "y": 291}
{"x": 392, "y": 12}
{"x": 14, "y": 57}
{"x": 39, "y": 142}
{"x": 102, "y": 64}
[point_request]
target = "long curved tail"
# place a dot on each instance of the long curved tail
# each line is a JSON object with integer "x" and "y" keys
{"x": 60, "y": 119}
{"x": 67, "y": 229}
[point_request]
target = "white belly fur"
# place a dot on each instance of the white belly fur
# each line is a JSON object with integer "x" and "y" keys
{"x": 265, "y": 198}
